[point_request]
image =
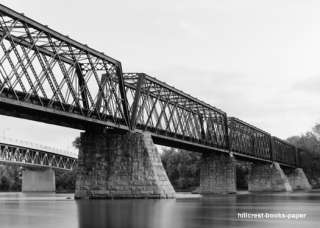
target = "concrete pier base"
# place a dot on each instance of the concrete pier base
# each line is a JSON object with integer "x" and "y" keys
{"x": 38, "y": 180}
{"x": 120, "y": 165}
{"x": 298, "y": 180}
{"x": 268, "y": 178}
{"x": 217, "y": 174}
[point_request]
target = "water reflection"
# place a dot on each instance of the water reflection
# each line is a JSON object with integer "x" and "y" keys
{"x": 214, "y": 211}
{"x": 127, "y": 213}
{"x": 55, "y": 210}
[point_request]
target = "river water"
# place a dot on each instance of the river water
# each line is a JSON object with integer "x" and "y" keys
{"x": 242, "y": 210}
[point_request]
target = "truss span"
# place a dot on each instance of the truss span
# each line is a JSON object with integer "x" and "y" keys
{"x": 166, "y": 111}
{"x": 49, "y": 72}
{"x": 32, "y": 157}
{"x": 49, "y": 77}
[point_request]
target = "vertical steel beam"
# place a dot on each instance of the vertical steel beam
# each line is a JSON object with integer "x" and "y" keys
{"x": 82, "y": 86}
{"x": 123, "y": 95}
{"x": 271, "y": 142}
{"x": 134, "y": 108}
{"x": 203, "y": 132}
{"x": 100, "y": 93}
{"x": 226, "y": 134}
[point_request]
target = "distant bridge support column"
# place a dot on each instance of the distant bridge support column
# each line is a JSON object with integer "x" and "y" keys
{"x": 120, "y": 165}
{"x": 217, "y": 174}
{"x": 38, "y": 180}
{"x": 268, "y": 178}
{"x": 298, "y": 180}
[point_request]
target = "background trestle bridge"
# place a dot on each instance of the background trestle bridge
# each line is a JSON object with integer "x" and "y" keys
{"x": 25, "y": 154}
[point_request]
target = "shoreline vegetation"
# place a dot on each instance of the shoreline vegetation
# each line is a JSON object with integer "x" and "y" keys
{"x": 11, "y": 179}
{"x": 183, "y": 167}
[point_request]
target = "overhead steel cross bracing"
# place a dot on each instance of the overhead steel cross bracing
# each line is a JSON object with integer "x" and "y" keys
{"x": 30, "y": 157}
{"x": 46, "y": 76}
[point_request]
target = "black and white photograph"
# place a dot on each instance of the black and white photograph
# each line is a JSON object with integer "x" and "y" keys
{"x": 159, "y": 114}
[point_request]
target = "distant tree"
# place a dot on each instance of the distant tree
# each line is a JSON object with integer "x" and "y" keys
{"x": 77, "y": 142}
{"x": 310, "y": 157}
{"x": 4, "y": 184}
{"x": 182, "y": 167}
{"x": 242, "y": 171}
{"x": 17, "y": 183}
{"x": 10, "y": 178}
{"x": 65, "y": 180}
{"x": 316, "y": 130}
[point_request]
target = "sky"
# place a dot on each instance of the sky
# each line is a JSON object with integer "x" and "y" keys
{"x": 256, "y": 60}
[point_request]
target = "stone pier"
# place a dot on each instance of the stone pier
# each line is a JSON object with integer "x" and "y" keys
{"x": 217, "y": 174}
{"x": 268, "y": 178}
{"x": 120, "y": 165}
{"x": 298, "y": 180}
{"x": 38, "y": 180}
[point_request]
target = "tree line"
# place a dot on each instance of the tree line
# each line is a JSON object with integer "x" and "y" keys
{"x": 310, "y": 156}
{"x": 183, "y": 167}
{"x": 11, "y": 179}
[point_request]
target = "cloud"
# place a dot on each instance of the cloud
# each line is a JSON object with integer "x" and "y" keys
{"x": 269, "y": 104}
{"x": 309, "y": 85}
{"x": 226, "y": 90}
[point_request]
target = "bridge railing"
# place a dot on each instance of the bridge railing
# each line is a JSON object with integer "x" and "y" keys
{"x": 162, "y": 109}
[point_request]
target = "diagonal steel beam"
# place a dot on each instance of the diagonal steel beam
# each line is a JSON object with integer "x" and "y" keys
{"x": 83, "y": 88}
{"x": 125, "y": 105}
{"x": 38, "y": 26}
{"x": 42, "y": 50}
{"x": 135, "y": 104}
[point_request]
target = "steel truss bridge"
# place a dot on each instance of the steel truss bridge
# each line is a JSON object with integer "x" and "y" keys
{"x": 49, "y": 77}
{"x": 26, "y": 154}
